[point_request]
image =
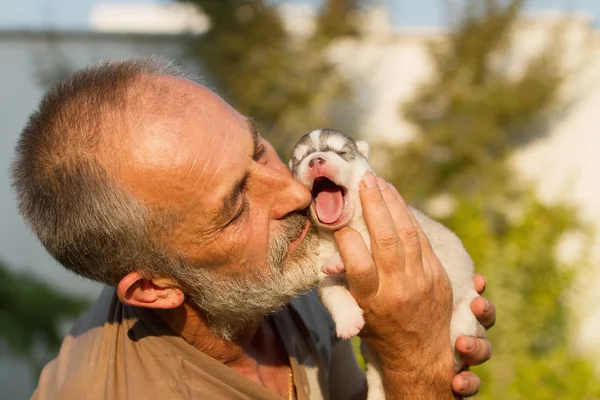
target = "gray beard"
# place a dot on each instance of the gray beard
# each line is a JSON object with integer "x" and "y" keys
{"x": 232, "y": 303}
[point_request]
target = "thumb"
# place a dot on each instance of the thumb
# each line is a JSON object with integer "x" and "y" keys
{"x": 361, "y": 272}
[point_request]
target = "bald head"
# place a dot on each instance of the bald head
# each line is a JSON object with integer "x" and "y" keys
{"x": 63, "y": 169}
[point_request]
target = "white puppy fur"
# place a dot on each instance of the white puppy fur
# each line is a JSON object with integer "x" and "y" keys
{"x": 344, "y": 162}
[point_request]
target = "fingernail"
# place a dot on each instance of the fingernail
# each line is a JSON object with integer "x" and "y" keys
{"x": 486, "y": 306}
{"x": 469, "y": 343}
{"x": 464, "y": 384}
{"x": 382, "y": 183}
{"x": 369, "y": 180}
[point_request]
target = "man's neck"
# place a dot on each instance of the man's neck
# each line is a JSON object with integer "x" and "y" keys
{"x": 192, "y": 325}
{"x": 256, "y": 352}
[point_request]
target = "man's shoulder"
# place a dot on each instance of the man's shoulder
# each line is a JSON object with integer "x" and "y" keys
{"x": 81, "y": 360}
{"x": 104, "y": 310}
{"x": 81, "y": 383}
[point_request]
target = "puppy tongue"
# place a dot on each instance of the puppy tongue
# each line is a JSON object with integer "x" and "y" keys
{"x": 330, "y": 204}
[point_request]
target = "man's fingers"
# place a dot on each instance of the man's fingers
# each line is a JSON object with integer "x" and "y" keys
{"x": 426, "y": 249}
{"x": 479, "y": 282}
{"x": 474, "y": 350}
{"x": 360, "y": 269}
{"x": 466, "y": 384}
{"x": 485, "y": 311}
{"x": 408, "y": 215}
{"x": 385, "y": 244}
{"x": 424, "y": 241}
{"x": 409, "y": 238}
{"x": 398, "y": 208}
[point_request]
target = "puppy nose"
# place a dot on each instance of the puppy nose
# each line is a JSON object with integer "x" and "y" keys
{"x": 318, "y": 160}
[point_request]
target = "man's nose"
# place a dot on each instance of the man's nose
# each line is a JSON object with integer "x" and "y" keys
{"x": 316, "y": 161}
{"x": 290, "y": 194}
{"x": 296, "y": 197}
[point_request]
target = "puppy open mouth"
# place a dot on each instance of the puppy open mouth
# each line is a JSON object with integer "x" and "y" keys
{"x": 329, "y": 200}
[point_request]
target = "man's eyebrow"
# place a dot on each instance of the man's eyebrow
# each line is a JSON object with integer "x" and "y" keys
{"x": 258, "y": 150}
{"x": 253, "y": 128}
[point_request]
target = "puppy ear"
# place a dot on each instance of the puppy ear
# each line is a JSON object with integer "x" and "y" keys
{"x": 363, "y": 147}
{"x": 291, "y": 164}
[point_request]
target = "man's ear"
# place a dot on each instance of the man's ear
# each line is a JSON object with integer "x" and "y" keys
{"x": 363, "y": 147}
{"x": 163, "y": 293}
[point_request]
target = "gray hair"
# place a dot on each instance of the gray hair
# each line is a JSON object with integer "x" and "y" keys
{"x": 65, "y": 195}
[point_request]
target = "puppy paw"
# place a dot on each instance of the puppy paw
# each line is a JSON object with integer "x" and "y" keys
{"x": 349, "y": 327}
{"x": 334, "y": 266}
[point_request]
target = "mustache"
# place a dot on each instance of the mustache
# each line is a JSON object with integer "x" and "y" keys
{"x": 294, "y": 223}
{"x": 292, "y": 226}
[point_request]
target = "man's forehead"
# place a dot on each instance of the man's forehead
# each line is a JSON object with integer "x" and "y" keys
{"x": 231, "y": 165}
{"x": 189, "y": 115}
{"x": 199, "y": 149}
{"x": 183, "y": 96}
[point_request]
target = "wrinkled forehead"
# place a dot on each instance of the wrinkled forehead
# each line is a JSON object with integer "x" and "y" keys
{"x": 189, "y": 157}
{"x": 323, "y": 140}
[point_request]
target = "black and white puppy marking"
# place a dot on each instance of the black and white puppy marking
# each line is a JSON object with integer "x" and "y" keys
{"x": 332, "y": 165}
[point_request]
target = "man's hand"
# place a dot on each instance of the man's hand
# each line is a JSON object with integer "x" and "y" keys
{"x": 475, "y": 351}
{"x": 404, "y": 292}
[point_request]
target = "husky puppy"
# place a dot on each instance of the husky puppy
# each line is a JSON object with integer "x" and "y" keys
{"x": 331, "y": 165}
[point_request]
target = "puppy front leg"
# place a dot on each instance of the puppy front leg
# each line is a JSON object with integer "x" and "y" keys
{"x": 346, "y": 314}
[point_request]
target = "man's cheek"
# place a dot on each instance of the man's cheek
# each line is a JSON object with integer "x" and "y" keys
{"x": 225, "y": 248}
{"x": 245, "y": 238}
{"x": 257, "y": 236}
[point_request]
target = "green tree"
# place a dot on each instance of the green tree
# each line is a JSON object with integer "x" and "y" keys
{"x": 470, "y": 117}
{"x": 283, "y": 81}
{"x": 31, "y": 314}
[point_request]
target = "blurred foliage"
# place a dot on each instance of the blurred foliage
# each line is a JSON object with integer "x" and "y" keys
{"x": 470, "y": 117}
{"x": 283, "y": 81}
{"x": 31, "y": 313}
{"x": 473, "y": 114}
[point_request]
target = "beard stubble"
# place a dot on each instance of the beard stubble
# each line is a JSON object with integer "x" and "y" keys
{"x": 232, "y": 303}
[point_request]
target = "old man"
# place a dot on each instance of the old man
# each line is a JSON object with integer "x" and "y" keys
{"x": 134, "y": 175}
